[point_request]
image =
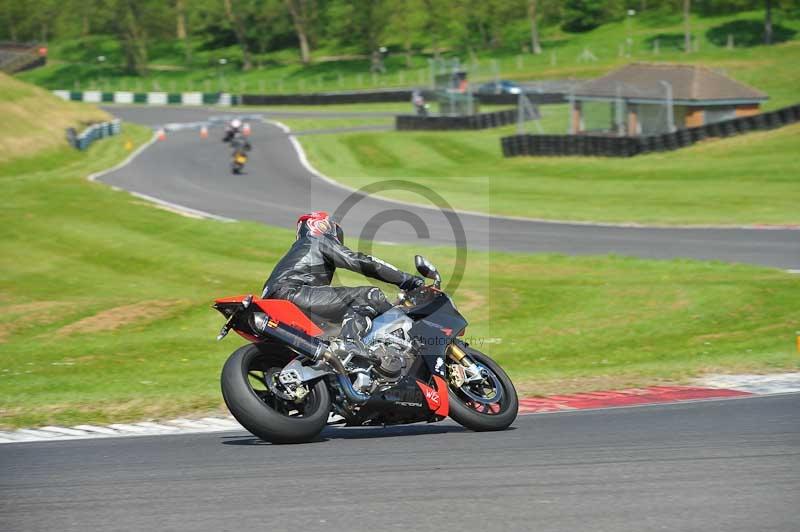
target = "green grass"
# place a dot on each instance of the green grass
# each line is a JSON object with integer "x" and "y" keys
{"x": 105, "y": 304}
{"x": 751, "y": 179}
{"x": 73, "y": 64}
{"x": 35, "y": 120}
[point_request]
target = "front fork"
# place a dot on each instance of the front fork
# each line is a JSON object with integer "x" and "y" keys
{"x": 463, "y": 369}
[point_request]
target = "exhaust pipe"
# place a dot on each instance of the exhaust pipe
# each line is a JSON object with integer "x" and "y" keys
{"x": 310, "y": 346}
{"x": 353, "y": 395}
{"x": 305, "y": 344}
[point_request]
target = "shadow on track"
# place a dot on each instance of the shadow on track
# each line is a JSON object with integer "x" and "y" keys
{"x": 358, "y": 433}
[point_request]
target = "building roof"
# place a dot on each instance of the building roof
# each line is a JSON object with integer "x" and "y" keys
{"x": 689, "y": 83}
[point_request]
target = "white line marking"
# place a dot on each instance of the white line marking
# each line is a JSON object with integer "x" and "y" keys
{"x": 37, "y": 433}
{"x": 168, "y": 205}
{"x": 65, "y": 431}
{"x": 181, "y": 209}
{"x": 130, "y": 158}
{"x": 125, "y": 427}
{"x": 92, "y": 429}
{"x": 227, "y": 424}
{"x": 796, "y": 272}
{"x": 301, "y": 155}
{"x": 156, "y": 426}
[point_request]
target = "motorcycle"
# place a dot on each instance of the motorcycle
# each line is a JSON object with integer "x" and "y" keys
{"x": 238, "y": 161}
{"x": 290, "y": 379}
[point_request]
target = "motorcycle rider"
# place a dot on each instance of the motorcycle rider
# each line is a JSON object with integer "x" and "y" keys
{"x": 232, "y": 130}
{"x": 304, "y": 274}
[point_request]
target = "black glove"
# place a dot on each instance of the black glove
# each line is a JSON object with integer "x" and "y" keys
{"x": 412, "y": 282}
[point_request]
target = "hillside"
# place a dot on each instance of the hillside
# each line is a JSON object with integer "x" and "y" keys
{"x": 35, "y": 119}
{"x": 74, "y": 64}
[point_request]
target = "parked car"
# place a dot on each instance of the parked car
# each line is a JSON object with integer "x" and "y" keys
{"x": 500, "y": 87}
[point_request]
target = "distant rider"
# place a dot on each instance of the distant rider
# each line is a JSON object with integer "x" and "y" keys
{"x": 304, "y": 274}
{"x": 233, "y": 130}
{"x": 235, "y": 134}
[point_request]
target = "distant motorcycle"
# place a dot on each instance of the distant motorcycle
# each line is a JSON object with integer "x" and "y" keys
{"x": 283, "y": 386}
{"x": 239, "y": 156}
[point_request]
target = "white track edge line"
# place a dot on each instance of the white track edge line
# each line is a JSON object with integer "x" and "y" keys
{"x": 226, "y": 424}
{"x": 301, "y": 155}
{"x": 179, "y": 209}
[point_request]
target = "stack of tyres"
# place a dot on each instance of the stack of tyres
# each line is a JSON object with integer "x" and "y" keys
{"x": 772, "y": 120}
{"x": 728, "y": 129}
{"x": 760, "y": 121}
{"x": 684, "y": 138}
{"x": 746, "y": 124}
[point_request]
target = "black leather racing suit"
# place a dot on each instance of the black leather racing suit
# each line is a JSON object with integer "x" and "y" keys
{"x": 304, "y": 274}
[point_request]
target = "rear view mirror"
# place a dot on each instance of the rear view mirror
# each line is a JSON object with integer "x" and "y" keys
{"x": 425, "y": 268}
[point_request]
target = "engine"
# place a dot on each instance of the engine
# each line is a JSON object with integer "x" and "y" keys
{"x": 390, "y": 352}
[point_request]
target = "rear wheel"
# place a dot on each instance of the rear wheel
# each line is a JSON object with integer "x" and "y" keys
{"x": 255, "y": 400}
{"x": 485, "y": 404}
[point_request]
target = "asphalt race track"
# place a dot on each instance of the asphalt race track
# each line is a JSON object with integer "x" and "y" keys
{"x": 187, "y": 170}
{"x": 727, "y": 466}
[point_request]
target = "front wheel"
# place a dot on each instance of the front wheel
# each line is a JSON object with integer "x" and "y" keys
{"x": 487, "y": 404}
{"x": 249, "y": 390}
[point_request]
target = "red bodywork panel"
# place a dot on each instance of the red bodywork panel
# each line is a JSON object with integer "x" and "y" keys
{"x": 281, "y": 311}
{"x": 437, "y": 399}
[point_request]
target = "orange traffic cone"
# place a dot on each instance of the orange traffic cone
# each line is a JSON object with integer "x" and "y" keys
{"x": 161, "y": 134}
{"x": 246, "y": 130}
{"x": 204, "y": 132}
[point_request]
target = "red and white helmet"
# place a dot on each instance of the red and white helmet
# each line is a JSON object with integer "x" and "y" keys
{"x": 317, "y": 224}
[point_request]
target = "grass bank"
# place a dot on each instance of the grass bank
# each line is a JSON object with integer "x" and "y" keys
{"x": 34, "y": 120}
{"x": 106, "y": 316}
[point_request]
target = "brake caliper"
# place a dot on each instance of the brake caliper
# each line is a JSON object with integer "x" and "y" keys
{"x": 457, "y": 374}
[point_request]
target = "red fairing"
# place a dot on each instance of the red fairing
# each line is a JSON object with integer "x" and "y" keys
{"x": 437, "y": 398}
{"x": 281, "y": 311}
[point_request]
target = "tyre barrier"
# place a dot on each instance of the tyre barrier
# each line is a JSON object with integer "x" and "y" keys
{"x": 608, "y": 146}
{"x": 84, "y": 139}
{"x": 451, "y": 123}
{"x": 536, "y": 98}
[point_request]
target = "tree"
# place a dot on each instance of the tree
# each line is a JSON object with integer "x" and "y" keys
{"x": 133, "y": 35}
{"x": 687, "y": 29}
{"x": 536, "y": 48}
{"x": 300, "y": 12}
{"x": 234, "y": 16}
{"x": 767, "y": 22}
{"x": 584, "y": 15}
{"x": 181, "y": 28}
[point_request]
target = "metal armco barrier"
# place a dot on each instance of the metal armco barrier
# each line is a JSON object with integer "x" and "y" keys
{"x": 327, "y": 98}
{"x": 447, "y": 123}
{"x": 384, "y": 96}
{"x": 84, "y": 139}
{"x": 150, "y": 98}
{"x": 321, "y": 98}
{"x": 610, "y": 146}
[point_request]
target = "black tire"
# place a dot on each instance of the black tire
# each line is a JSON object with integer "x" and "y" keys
{"x": 258, "y": 417}
{"x": 472, "y": 419}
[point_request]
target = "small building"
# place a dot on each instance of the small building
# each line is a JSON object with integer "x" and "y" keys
{"x": 653, "y": 98}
